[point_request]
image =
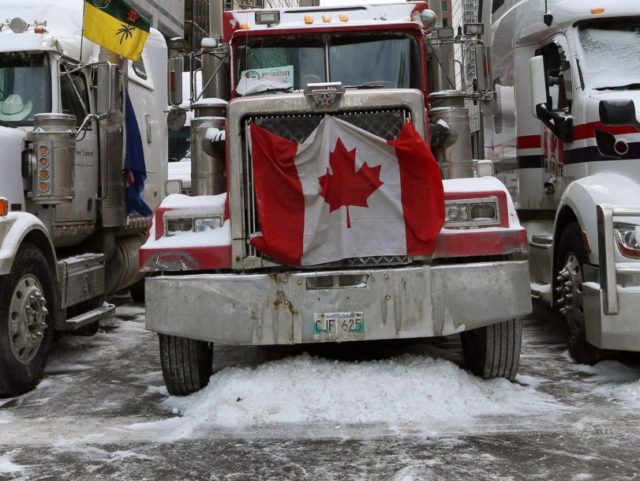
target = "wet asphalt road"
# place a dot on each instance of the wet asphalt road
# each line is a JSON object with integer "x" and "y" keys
{"x": 71, "y": 427}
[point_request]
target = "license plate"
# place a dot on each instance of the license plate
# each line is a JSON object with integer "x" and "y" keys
{"x": 338, "y": 325}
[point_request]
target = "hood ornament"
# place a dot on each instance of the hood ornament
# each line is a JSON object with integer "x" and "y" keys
{"x": 325, "y": 94}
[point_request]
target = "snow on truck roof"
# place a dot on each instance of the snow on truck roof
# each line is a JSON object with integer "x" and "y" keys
{"x": 342, "y": 16}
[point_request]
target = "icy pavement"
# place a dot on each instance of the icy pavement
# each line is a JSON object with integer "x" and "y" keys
{"x": 401, "y": 412}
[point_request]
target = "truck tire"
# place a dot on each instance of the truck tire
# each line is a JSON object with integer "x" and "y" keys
{"x": 26, "y": 325}
{"x": 186, "y": 364}
{"x": 493, "y": 351}
{"x": 136, "y": 292}
{"x": 568, "y": 278}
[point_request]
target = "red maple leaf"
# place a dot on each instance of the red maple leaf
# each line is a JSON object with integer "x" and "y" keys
{"x": 346, "y": 186}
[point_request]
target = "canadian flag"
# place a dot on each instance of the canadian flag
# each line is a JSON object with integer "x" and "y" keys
{"x": 345, "y": 193}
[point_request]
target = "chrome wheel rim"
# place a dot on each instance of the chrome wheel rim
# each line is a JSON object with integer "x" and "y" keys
{"x": 569, "y": 291}
{"x": 27, "y": 318}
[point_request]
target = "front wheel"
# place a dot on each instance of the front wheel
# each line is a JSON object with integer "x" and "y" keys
{"x": 569, "y": 276}
{"x": 26, "y": 327}
{"x": 493, "y": 351}
{"x": 186, "y": 364}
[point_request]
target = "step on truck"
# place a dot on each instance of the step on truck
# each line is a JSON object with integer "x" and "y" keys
{"x": 318, "y": 211}
{"x": 71, "y": 219}
{"x": 565, "y": 138}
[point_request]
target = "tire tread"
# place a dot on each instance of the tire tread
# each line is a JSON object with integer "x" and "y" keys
{"x": 186, "y": 364}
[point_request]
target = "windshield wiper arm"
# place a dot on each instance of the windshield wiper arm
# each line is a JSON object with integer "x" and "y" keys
{"x": 366, "y": 86}
{"x": 631, "y": 86}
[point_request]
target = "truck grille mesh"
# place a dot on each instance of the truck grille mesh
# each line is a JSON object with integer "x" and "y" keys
{"x": 386, "y": 124}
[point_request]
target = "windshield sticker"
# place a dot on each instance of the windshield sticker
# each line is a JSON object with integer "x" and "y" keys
{"x": 282, "y": 75}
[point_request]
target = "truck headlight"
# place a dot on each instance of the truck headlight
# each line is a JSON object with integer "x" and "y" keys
{"x": 208, "y": 223}
{"x": 471, "y": 212}
{"x": 179, "y": 225}
{"x": 628, "y": 239}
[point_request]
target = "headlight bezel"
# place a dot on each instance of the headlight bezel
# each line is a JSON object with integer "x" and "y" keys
{"x": 190, "y": 223}
{"x": 459, "y": 212}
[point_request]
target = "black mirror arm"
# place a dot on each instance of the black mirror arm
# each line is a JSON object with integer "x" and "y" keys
{"x": 561, "y": 126}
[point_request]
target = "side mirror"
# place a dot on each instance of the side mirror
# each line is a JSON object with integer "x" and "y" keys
{"x": 537, "y": 83}
{"x": 176, "y": 67}
{"x": 107, "y": 98}
{"x": 483, "y": 67}
{"x": 618, "y": 112}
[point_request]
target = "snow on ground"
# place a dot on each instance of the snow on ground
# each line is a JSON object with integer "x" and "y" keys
{"x": 416, "y": 392}
{"x": 616, "y": 381}
{"x": 7, "y": 465}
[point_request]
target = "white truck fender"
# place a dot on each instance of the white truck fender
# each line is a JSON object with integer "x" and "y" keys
{"x": 584, "y": 194}
{"x": 14, "y": 230}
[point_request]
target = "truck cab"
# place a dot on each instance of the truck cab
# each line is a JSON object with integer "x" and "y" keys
{"x": 298, "y": 230}
{"x": 73, "y": 202}
{"x": 563, "y": 132}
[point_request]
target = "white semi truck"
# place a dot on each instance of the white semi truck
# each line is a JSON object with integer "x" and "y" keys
{"x": 72, "y": 215}
{"x": 318, "y": 212}
{"x": 563, "y": 133}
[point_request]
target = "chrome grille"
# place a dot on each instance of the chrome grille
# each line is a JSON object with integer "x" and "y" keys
{"x": 386, "y": 124}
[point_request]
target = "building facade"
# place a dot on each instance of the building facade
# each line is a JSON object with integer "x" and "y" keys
{"x": 167, "y": 16}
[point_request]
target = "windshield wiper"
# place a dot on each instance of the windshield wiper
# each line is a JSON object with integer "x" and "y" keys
{"x": 366, "y": 86}
{"x": 631, "y": 86}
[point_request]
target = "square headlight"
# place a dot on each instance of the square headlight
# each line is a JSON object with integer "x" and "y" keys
{"x": 208, "y": 223}
{"x": 179, "y": 225}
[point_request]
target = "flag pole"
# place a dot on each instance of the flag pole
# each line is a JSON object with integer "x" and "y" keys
{"x": 84, "y": 5}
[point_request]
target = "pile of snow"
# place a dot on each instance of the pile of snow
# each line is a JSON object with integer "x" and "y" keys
{"x": 616, "y": 381}
{"x": 415, "y": 391}
{"x": 7, "y": 465}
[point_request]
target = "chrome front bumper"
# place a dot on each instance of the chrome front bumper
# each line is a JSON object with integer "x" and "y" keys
{"x": 267, "y": 309}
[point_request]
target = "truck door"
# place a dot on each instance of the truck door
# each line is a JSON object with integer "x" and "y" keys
{"x": 74, "y": 99}
{"x": 559, "y": 88}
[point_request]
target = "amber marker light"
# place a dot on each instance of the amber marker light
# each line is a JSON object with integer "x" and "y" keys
{"x": 245, "y": 26}
{"x": 44, "y": 150}
{"x": 326, "y": 18}
{"x": 4, "y": 207}
{"x": 597, "y": 11}
{"x": 44, "y": 162}
{"x": 43, "y": 186}
{"x": 344, "y": 18}
{"x": 39, "y": 29}
{"x": 44, "y": 175}
{"x": 308, "y": 19}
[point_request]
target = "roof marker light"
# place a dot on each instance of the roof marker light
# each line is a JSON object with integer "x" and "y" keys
{"x": 39, "y": 29}
{"x": 270, "y": 17}
{"x": 326, "y": 18}
{"x": 597, "y": 11}
{"x": 308, "y": 19}
{"x": 344, "y": 18}
{"x": 18, "y": 25}
{"x": 245, "y": 26}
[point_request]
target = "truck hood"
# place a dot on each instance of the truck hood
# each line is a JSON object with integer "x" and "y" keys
{"x": 11, "y": 183}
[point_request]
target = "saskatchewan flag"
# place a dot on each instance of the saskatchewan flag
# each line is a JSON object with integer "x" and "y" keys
{"x": 116, "y": 26}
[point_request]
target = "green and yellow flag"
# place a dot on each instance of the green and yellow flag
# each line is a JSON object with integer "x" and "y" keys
{"x": 116, "y": 26}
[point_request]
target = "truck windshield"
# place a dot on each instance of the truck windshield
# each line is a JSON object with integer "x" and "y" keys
{"x": 289, "y": 63}
{"x": 610, "y": 57}
{"x": 24, "y": 87}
